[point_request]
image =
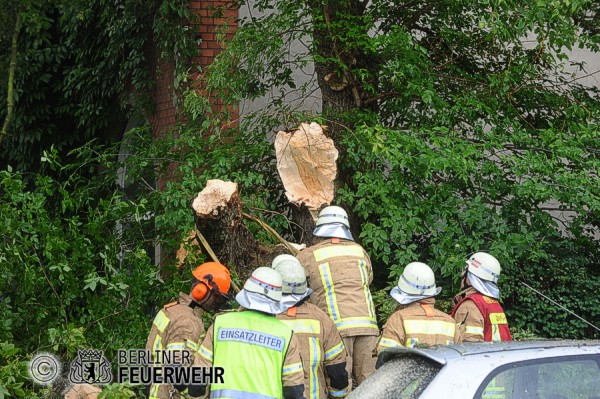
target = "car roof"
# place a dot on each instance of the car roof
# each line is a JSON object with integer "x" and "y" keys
{"x": 443, "y": 354}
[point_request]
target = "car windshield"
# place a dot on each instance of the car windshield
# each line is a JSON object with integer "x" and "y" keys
{"x": 404, "y": 377}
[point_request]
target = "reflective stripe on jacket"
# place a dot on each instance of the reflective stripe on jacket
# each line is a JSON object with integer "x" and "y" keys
{"x": 176, "y": 327}
{"x": 340, "y": 273}
{"x": 481, "y": 317}
{"x": 259, "y": 355}
{"x": 419, "y": 323}
{"x": 321, "y": 349}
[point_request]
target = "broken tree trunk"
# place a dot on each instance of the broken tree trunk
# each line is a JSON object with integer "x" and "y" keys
{"x": 306, "y": 162}
{"x": 219, "y": 219}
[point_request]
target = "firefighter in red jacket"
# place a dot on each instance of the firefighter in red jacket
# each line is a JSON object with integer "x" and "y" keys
{"x": 477, "y": 310}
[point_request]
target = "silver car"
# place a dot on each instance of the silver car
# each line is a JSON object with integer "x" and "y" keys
{"x": 507, "y": 370}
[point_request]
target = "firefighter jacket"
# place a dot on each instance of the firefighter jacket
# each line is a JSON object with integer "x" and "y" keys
{"x": 480, "y": 317}
{"x": 418, "y": 323}
{"x": 321, "y": 350}
{"x": 339, "y": 273}
{"x": 177, "y": 326}
{"x": 259, "y": 355}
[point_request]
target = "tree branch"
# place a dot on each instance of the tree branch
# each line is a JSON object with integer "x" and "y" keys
{"x": 11, "y": 78}
{"x": 386, "y": 96}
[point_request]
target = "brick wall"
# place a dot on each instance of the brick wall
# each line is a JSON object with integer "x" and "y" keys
{"x": 212, "y": 16}
{"x": 165, "y": 114}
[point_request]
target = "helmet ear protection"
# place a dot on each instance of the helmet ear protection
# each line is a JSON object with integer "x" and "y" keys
{"x": 201, "y": 289}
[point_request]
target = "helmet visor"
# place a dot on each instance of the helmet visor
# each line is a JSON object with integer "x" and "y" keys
{"x": 404, "y": 298}
{"x": 485, "y": 287}
{"x": 289, "y": 300}
{"x": 333, "y": 230}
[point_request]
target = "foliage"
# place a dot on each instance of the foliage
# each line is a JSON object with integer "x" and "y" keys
{"x": 523, "y": 335}
{"x": 13, "y": 374}
{"x": 456, "y": 134}
{"x": 461, "y": 127}
{"x": 84, "y": 245}
{"x": 84, "y": 68}
{"x": 74, "y": 260}
{"x": 117, "y": 391}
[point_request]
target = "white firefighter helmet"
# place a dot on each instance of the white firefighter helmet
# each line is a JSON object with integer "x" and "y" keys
{"x": 293, "y": 276}
{"x": 265, "y": 281}
{"x": 484, "y": 266}
{"x": 333, "y": 214}
{"x": 418, "y": 279}
{"x": 281, "y": 258}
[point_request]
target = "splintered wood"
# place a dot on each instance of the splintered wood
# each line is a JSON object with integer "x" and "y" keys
{"x": 83, "y": 391}
{"x": 218, "y": 217}
{"x": 215, "y": 196}
{"x": 306, "y": 162}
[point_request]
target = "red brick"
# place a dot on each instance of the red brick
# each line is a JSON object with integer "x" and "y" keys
{"x": 166, "y": 114}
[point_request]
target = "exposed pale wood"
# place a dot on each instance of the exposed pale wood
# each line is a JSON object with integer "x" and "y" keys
{"x": 83, "y": 391}
{"x": 219, "y": 221}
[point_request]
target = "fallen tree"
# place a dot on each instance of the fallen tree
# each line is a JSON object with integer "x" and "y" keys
{"x": 306, "y": 162}
{"x": 218, "y": 218}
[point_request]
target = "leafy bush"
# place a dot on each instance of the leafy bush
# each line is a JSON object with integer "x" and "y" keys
{"x": 14, "y": 378}
{"x": 76, "y": 268}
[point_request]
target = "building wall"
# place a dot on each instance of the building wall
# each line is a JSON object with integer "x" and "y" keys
{"x": 310, "y": 100}
{"x": 212, "y": 15}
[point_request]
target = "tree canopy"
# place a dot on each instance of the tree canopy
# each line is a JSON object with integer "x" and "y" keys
{"x": 462, "y": 126}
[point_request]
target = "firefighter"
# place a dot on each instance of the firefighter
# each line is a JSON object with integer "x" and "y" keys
{"x": 259, "y": 354}
{"x": 477, "y": 309}
{"x": 416, "y": 321}
{"x": 339, "y": 272}
{"x": 178, "y": 325}
{"x": 321, "y": 347}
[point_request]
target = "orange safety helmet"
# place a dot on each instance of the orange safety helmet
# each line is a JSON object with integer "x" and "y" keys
{"x": 212, "y": 276}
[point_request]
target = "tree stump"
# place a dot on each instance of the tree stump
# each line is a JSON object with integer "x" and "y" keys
{"x": 218, "y": 217}
{"x": 306, "y": 162}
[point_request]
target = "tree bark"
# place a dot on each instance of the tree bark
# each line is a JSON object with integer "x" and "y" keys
{"x": 344, "y": 95}
{"x": 303, "y": 225}
{"x": 218, "y": 217}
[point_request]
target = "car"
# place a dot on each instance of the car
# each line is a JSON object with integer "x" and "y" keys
{"x": 504, "y": 370}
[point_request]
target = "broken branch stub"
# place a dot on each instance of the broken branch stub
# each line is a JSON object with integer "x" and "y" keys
{"x": 306, "y": 162}
{"x": 218, "y": 217}
{"x": 215, "y": 196}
